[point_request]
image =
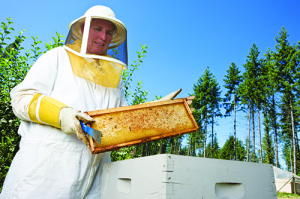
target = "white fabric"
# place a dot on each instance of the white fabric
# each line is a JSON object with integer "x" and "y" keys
{"x": 51, "y": 164}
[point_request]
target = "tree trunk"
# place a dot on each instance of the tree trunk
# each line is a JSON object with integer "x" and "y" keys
{"x": 275, "y": 131}
{"x": 248, "y": 141}
{"x": 234, "y": 129}
{"x": 253, "y": 129}
{"x": 162, "y": 147}
{"x": 190, "y": 146}
{"x": 291, "y": 160}
{"x": 205, "y": 133}
{"x": 147, "y": 149}
{"x": 179, "y": 148}
{"x": 259, "y": 133}
{"x": 171, "y": 145}
{"x": 294, "y": 137}
{"x": 212, "y": 137}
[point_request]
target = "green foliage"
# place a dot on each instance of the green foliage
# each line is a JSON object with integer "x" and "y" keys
{"x": 139, "y": 95}
{"x": 232, "y": 81}
{"x": 15, "y": 63}
{"x": 57, "y": 42}
{"x": 267, "y": 146}
{"x": 248, "y": 89}
{"x": 13, "y": 69}
{"x": 268, "y": 149}
{"x": 213, "y": 149}
{"x": 227, "y": 151}
{"x": 123, "y": 153}
{"x": 127, "y": 74}
{"x": 287, "y": 195}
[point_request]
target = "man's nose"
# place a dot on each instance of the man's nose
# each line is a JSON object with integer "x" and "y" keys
{"x": 102, "y": 35}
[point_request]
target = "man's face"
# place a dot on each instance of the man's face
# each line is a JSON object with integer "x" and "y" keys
{"x": 100, "y": 35}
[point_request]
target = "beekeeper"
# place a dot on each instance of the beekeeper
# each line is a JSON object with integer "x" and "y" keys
{"x": 54, "y": 160}
{"x": 83, "y": 75}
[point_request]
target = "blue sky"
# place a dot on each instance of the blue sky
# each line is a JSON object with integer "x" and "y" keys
{"x": 184, "y": 37}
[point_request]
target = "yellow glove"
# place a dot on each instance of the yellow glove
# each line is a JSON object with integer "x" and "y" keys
{"x": 46, "y": 110}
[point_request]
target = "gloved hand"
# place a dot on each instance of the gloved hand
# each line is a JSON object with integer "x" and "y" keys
{"x": 69, "y": 120}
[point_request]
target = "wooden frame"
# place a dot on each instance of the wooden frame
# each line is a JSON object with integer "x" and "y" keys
{"x": 136, "y": 124}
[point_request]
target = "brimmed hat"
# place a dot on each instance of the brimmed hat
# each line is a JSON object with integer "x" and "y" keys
{"x": 101, "y": 12}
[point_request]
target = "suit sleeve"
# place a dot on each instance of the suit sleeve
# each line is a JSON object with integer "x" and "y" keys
{"x": 30, "y": 99}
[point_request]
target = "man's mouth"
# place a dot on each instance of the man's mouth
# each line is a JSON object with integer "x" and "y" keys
{"x": 100, "y": 44}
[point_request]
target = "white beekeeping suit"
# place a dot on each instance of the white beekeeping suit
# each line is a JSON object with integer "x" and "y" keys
{"x": 54, "y": 160}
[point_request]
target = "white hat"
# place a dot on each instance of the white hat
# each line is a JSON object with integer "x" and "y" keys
{"x": 117, "y": 48}
{"x": 101, "y": 12}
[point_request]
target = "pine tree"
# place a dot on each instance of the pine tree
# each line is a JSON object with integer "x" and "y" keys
{"x": 200, "y": 103}
{"x": 287, "y": 59}
{"x": 207, "y": 97}
{"x": 250, "y": 90}
{"x": 269, "y": 71}
{"x": 213, "y": 149}
{"x": 227, "y": 151}
{"x": 232, "y": 81}
{"x": 214, "y": 107}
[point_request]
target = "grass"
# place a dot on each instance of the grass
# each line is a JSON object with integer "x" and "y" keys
{"x": 287, "y": 195}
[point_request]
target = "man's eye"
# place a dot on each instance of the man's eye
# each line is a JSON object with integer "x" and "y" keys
{"x": 109, "y": 33}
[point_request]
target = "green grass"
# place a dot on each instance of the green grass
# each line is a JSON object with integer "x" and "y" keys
{"x": 287, "y": 195}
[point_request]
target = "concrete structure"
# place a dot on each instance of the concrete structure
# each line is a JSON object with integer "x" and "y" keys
{"x": 183, "y": 177}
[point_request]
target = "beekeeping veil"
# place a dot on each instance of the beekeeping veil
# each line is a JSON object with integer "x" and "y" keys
{"x": 104, "y": 69}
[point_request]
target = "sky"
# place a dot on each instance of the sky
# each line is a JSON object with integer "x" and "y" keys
{"x": 184, "y": 37}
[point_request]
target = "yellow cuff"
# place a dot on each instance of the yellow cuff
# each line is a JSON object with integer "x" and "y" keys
{"x": 45, "y": 110}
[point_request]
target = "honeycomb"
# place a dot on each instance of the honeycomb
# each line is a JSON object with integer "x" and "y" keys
{"x": 141, "y": 123}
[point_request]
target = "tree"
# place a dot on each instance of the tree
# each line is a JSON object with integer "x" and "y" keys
{"x": 250, "y": 90}
{"x": 200, "y": 103}
{"x": 215, "y": 111}
{"x": 286, "y": 134}
{"x": 269, "y": 71}
{"x": 232, "y": 81}
{"x": 195, "y": 139}
{"x": 213, "y": 149}
{"x": 287, "y": 60}
{"x": 227, "y": 151}
{"x": 207, "y": 97}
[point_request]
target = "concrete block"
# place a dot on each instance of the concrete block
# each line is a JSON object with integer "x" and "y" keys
{"x": 168, "y": 176}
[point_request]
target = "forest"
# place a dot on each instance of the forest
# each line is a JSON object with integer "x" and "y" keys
{"x": 267, "y": 93}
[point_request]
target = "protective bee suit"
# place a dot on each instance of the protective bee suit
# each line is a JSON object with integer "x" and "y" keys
{"x": 54, "y": 160}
